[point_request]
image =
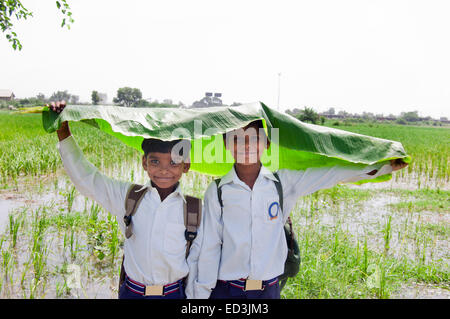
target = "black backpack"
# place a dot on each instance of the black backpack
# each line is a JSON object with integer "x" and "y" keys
{"x": 292, "y": 263}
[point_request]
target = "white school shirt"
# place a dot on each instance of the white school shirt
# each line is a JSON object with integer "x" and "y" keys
{"x": 155, "y": 253}
{"x": 248, "y": 241}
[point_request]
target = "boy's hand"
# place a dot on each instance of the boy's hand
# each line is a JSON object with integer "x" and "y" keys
{"x": 398, "y": 164}
{"x": 64, "y": 130}
{"x": 58, "y": 106}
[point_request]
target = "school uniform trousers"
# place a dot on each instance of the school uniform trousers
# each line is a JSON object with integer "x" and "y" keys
{"x": 247, "y": 240}
{"x": 155, "y": 253}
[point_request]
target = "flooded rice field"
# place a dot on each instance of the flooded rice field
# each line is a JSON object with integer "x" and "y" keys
{"x": 377, "y": 240}
{"x": 57, "y": 243}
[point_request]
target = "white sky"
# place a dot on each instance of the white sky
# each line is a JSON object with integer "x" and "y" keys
{"x": 374, "y": 56}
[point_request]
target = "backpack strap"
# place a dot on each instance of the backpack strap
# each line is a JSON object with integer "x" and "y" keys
{"x": 192, "y": 219}
{"x": 279, "y": 189}
{"x": 288, "y": 222}
{"x": 132, "y": 200}
{"x": 277, "y": 185}
{"x": 219, "y": 195}
{"x": 134, "y": 196}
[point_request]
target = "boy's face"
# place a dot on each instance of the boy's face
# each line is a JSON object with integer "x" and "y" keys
{"x": 163, "y": 171}
{"x": 246, "y": 145}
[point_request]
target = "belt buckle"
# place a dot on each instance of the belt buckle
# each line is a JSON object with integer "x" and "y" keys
{"x": 253, "y": 285}
{"x": 154, "y": 290}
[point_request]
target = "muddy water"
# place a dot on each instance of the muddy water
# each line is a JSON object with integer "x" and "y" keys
{"x": 369, "y": 220}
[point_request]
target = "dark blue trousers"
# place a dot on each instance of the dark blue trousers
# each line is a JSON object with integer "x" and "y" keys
{"x": 230, "y": 290}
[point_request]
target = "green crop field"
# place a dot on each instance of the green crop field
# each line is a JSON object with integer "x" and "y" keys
{"x": 428, "y": 146}
{"x": 371, "y": 241}
{"x": 27, "y": 150}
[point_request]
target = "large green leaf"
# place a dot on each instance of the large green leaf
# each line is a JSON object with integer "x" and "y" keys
{"x": 299, "y": 146}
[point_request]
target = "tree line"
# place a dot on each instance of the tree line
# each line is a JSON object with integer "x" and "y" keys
{"x": 308, "y": 114}
{"x": 126, "y": 96}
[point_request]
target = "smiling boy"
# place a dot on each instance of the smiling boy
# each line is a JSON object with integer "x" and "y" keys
{"x": 155, "y": 262}
{"x": 244, "y": 246}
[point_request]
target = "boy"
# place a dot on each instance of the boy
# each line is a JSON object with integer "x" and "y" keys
{"x": 155, "y": 255}
{"x": 244, "y": 247}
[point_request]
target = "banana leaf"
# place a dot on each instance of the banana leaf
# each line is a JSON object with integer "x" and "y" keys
{"x": 294, "y": 144}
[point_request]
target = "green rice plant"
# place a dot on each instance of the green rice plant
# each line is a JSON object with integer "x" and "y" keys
{"x": 93, "y": 213}
{"x": 69, "y": 196}
{"x": 365, "y": 263}
{"x": 39, "y": 260}
{"x": 387, "y": 234}
{"x": 7, "y": 261}
{"x": 114, "y": 234}
{"x": 73, "y": 251}
{"x": 14, "y": 225}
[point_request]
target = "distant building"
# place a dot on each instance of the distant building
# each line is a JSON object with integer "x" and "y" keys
{"x": 209, "y": 100}
{"x": 6, "y": 95}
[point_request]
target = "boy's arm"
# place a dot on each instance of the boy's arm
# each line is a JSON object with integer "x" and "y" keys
{"x": 64, "y": 131}
{"x": 192, "y": 260}
{"x": 211, "y": 246}
{"x": 301, "y": 183}
{"x": 87, "y": 179}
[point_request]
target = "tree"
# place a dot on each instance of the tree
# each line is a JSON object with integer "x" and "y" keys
{"x": 15, "y": 8}
{"x": 330, "y": 111}
{"x": 74, "y": 99}
{"x": 322, "y": 120}
{"x": 410, "y": 116}
{"x": 128, "y": 97}
{"x": 41, "y": 97}
{"x": 95, "y": 97}
{"x": 61, "y": 95}
{"x": 308, "y": 115}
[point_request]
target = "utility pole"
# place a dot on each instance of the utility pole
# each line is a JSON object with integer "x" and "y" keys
{"x": 279, "y": 80}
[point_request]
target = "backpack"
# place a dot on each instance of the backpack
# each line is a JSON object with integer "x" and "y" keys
{"x": 192, "y": 217}
{"x": 292, "y": 263}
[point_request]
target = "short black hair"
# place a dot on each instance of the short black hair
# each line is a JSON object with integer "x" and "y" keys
{"x": 257, "y": 124}
{"x": 150, "y": 145}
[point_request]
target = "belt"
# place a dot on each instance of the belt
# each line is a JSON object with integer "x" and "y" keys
{"x": 249, "y": 284}
{"x": 156, "y": 290}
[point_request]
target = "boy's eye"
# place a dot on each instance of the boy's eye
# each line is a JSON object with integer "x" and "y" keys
{"x": 154, "y": 162}
{"x": 174, "y": 163}
{"x": 232, "y": 140}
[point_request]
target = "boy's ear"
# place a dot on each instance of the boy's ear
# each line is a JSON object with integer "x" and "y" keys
{"x": 186, "y": 167}
{"x": 224, "y": 137}
{"x": 144, "y": 162}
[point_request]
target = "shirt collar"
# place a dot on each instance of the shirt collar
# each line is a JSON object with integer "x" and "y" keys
{"x": 150, "y": 188}
{"x": 267, "y": 173}
{"x": 231, "y": 176}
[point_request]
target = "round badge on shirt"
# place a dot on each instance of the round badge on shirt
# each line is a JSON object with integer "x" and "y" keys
{"x": 273, "y": 210}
